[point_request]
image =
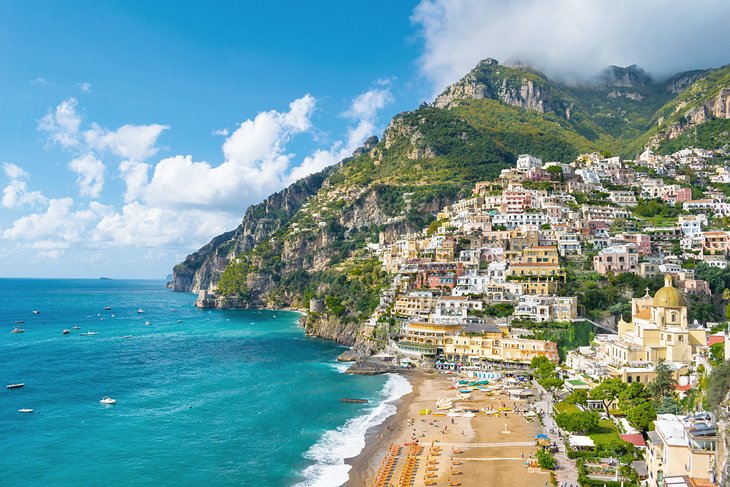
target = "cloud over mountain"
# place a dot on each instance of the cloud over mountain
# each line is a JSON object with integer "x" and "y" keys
{"x": 571, "y": 38}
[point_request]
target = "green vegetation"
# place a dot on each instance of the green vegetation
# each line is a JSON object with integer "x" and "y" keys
{"x": 711, "y": 135}
{"x": 718, "y": 386}
{"x": 546, "y": 460}
{"x": 577, "y": 422}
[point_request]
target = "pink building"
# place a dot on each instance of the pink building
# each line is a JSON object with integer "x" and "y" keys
{"x": 642, "y": 241}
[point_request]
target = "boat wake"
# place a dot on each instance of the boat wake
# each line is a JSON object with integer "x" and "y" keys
{"x": 348, "y": 440}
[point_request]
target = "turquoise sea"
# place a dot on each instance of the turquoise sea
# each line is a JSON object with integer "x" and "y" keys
{"x": 204, "y": 397}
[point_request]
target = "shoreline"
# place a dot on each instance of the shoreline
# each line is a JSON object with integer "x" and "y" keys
{"x": 505, "y": 463}
{"x": 365, "y": 464}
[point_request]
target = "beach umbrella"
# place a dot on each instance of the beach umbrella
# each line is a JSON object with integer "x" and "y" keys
{"x": 541, "y": 436}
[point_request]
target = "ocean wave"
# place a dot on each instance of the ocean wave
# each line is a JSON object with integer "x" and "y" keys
{"x": 340, "y": 367}
{"x": 348, "y": 440}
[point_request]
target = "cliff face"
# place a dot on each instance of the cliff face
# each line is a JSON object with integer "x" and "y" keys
{"x": 203, "y": 267}
{"x": 513, "y": 86}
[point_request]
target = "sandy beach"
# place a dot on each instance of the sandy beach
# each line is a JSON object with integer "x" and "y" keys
{"x": 452, "y": 450}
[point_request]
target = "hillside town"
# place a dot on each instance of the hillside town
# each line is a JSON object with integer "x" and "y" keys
{"x": 507, "y": 277}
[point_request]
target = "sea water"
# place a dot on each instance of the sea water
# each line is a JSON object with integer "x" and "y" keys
{"x": 204, "y": 397}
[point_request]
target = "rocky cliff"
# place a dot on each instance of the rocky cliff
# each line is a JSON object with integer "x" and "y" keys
{"x": 516, "y": 86}
{"x": 203, "y": 267}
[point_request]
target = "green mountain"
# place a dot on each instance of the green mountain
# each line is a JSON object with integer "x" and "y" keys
{"x": 308, "y": 240}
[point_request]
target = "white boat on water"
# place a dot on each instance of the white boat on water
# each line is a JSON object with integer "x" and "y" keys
{"x": 16, "y": 386}
{"x": 127, "y": 336}
{"x": 148, "y": 323}
{"x": 108, "y": 400}
{"x": 36, "y": 312}
{"x": 89, "y": 333}
{"x": 140, "y": 310}
{"x": 25, "y": 410}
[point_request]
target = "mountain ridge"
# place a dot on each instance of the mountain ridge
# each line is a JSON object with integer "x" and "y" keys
{"x": 308, "y": 241}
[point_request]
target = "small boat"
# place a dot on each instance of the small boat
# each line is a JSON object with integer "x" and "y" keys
{"x": 352, "y": 400}
{"x": 16, "y": 386}
{"x": 36, "y": 312}
{"x": 19, "y": 322}
{"x": 108, "y": 400}
{"x": 76, "y": 327}
{"x": 17, "y": 330}
{"x": 89, "y": 333}
{"x": 127, "y": 336}
{"x": 25, "y": 410}
{"x": 66, "y": 331}
{"x": 178, "y": 321}
{"x": 140, "y": 310}
{"x": 107, "y": 308}
{"x": 148, "y": 323}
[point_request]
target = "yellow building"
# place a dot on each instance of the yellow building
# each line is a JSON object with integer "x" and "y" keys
{"x": 658, "y": 330}
{"x": 492, "y": 343}
{"x": 680, "y": 447}
{"x": 415, "y": 304}
{"x": 424, "y": 338}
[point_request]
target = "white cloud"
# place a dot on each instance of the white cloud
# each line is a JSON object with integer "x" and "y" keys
{"x": 13, "y": 171}
{"x": 40, "y": 81}
{"x": 16, "y": 193}
{"x": 135, "y": 177}
{"x": 364, "y": 110}
{"x": 255, "y": 164}
{"x": 177, "y": 202}
{"x": 56, "y": 229}
{"x": 366, "y": 105}
{"x": 89, "y": 174}
{"x": 84, "y": 86}
{"x": 138, "y": 225}
{"x": 62, "y": 123}
{"x": 136, "y": 142}
{"x": 571, "y": 37}
{"x": 223, "y": 132}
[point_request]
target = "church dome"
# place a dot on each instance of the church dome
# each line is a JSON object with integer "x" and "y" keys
{"x": 669, "y": 296}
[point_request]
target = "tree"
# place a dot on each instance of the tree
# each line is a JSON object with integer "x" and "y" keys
{"x": 542, "y": 367}
{"x": 633, "y": 395}
{"x": 663, "y": 384}
{"x": 578, "y": 422}
{"x": 551, "y": 383}
{"x": 641, "y": 416}
{"x": 579, "y": 396}
{"x": 718, "y": 386}
{"x": 546, "y": 460}
{"x": 608, "y": 390}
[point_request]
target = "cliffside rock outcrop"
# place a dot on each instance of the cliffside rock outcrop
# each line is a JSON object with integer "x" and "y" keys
{"x": 201, "y": 268}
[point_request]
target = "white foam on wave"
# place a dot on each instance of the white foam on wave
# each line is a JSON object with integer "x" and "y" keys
{"x": 348, "y": 440}
{"x": 340, "y": 367}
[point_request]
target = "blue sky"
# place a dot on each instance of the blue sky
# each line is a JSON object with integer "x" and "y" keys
{"x": 133, "y": 132}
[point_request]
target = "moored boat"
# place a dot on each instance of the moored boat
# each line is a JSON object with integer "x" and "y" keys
{"x": 16, "y": 386}
{"x": 140, "y": 310}
{"x": 17, "y": 330}
{"x": 36, "y": 312}
{"x": 25, "y": 410}
{"x": 66, "y": 331}
{"x": 353, "y": 400}
{"x": 108, "y": 400}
